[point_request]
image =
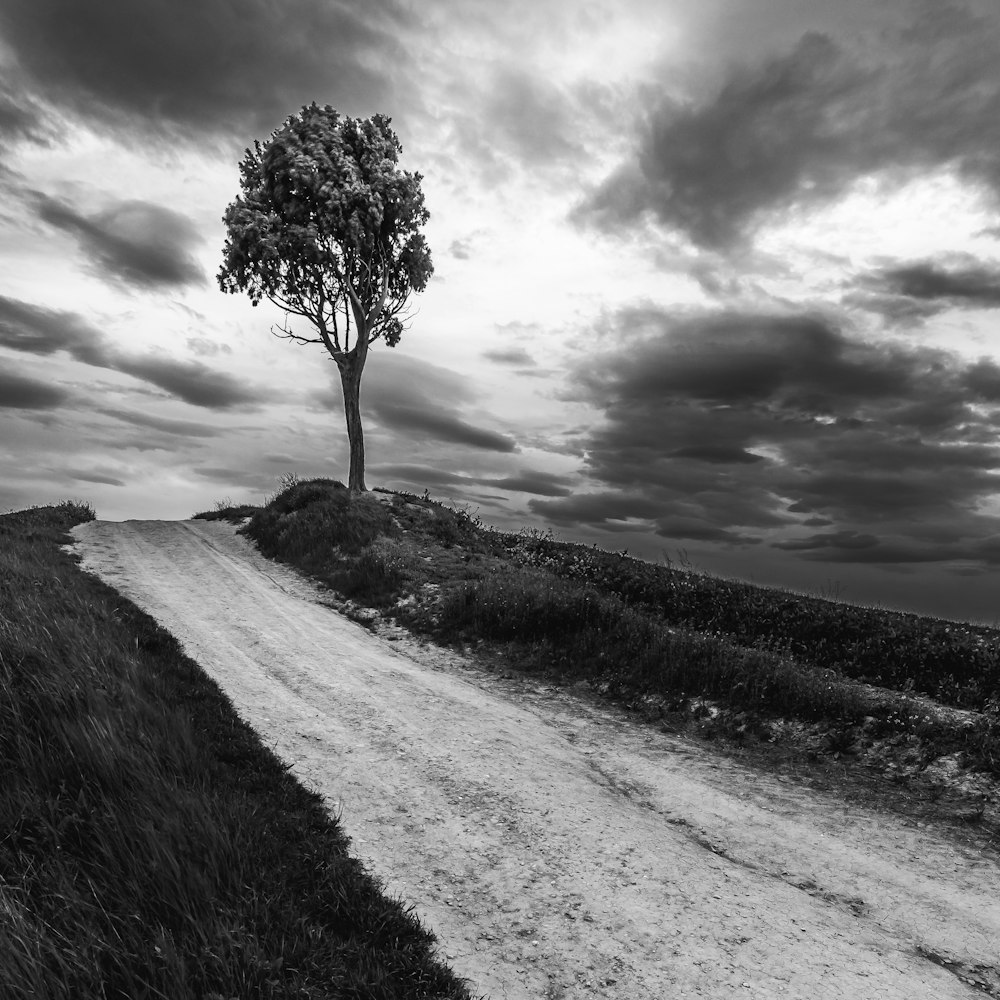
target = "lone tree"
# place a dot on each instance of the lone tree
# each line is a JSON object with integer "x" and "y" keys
{"x": 328, "y": 228}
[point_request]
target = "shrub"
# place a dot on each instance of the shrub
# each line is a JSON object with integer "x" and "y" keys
{"x": 306, "y": 520}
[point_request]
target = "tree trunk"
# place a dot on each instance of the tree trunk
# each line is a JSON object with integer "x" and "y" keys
{"x": 350, "y": 379}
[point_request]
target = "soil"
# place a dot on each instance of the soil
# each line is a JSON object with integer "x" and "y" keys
{"x": 557, "y": 848}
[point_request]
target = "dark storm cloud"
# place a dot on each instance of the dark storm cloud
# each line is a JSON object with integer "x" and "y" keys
{"x": 441, "y": 426}
{"x": 92, "y": 477}
{"x": 206, "y": 66}
{"x": 36, "y": 330}
{"x": 801, "y": 127}
{"x": 829, "y": 540}
{"x": 983, "y": 380}
{"x": 417, "y": 475}
{"x": 131, "y": 242}
{"x": 697, "y": 531}
{"x": 21, "y": 118}
{"x": 526, "y": 481}
{"x": 978, "y": 286}
{"x": 736, "y": 358}
{"x": 900, "y": 553}
{"x": 603, "y": 509}
{"x": 543, "y": 484}
{"x": 725, "y": 427}
{"x": 21, "y": 392}
{"x": 191, "y": 381}
{"x": 923, "y": 288}
{"x": 722, "y": 454}
{"x": 417, "y": 400}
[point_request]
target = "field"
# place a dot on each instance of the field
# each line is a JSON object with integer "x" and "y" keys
{"x": 150, "y": 845}
{"x": 153, "y": 847}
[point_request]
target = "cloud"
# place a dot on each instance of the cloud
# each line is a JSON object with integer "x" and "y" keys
{"x": 722, "y": 454}
{"x": 525, "y": 481}
{"x": 191, "y": 381}
{"x": 742, "y": 428}
{"x": 440, "y": 425}
{"x": 417, "y": 475}
{"x": 21, "y": 392}
{"x": 982, "y": 379}
{"x": 207, "y": 348}
{"x": 131, "y": 242}
{"x": 828, "y": 540}
{"x": 799, "y": 128}
{"x": 535, "y": 116}
{"x": 92, "y": 477}
{"x": 37, "y": 330}
{"x": 181, "y": 428}
{"x": 245, "y": 478}
{"x": 206, "y": 67}
{"x": 922, "y": 288}
{"x": 22, "y": 118}
{"x": 599, "y": 509}
{"x": 544, "y": 484}
{"x": 416, "y": 399}
{"x": 517, "y": 118}
{"x": 699, "y": 531}
{"x": 515, "y": 356}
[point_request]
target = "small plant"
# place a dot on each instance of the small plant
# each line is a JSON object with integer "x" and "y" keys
{"x": 78, "y": 511}
{"x": 842, "y": 740}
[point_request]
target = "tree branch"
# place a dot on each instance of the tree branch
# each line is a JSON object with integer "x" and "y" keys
{"x": 284, "y": 333}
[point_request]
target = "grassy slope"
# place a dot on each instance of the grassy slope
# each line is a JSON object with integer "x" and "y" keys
{"x": 150, "y": 846}
{"x": 647, "y": 632}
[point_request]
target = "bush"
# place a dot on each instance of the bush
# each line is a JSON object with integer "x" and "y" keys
{"x": 306, "y": 520}
{"x": 375, "y": 577}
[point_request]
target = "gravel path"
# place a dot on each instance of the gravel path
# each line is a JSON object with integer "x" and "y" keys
{"x": 557, "y": 850}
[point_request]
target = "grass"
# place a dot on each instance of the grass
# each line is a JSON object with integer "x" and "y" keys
{"x": 150, "y": 845}
{"x": 641, "y": 631}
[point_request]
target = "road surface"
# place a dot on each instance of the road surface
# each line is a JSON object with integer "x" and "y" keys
{"x": 557, "y": 850}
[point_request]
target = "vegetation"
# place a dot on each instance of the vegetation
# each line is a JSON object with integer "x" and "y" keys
{"x": 643, "y": 631}
{"x": 328, "y": 229}
{"x": 150, "y": 846}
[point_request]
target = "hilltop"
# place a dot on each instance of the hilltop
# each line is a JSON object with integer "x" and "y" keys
{"x": 902, "y": 707}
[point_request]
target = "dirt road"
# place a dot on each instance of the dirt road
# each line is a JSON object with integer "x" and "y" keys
{"x": 557, "y": 850}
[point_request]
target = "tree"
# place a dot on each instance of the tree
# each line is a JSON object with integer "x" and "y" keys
{"x": 328, "y": 229}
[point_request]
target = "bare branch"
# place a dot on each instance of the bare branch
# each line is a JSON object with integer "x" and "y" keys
{"x": 284, "y": 333}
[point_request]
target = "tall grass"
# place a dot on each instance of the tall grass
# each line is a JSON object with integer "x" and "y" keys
{"x": 150, "y": 846}
{"x": 954, "y": 662}
{"x": 580, "y": 630}
{"x": 638, "y": 627}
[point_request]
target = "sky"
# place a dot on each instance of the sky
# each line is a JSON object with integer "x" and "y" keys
{"x": 715, "y": 282}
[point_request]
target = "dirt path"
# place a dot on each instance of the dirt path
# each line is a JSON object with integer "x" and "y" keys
{"x": 557, "y": 850}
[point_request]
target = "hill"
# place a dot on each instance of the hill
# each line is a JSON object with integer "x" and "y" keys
{"x": 796, "y": 681}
